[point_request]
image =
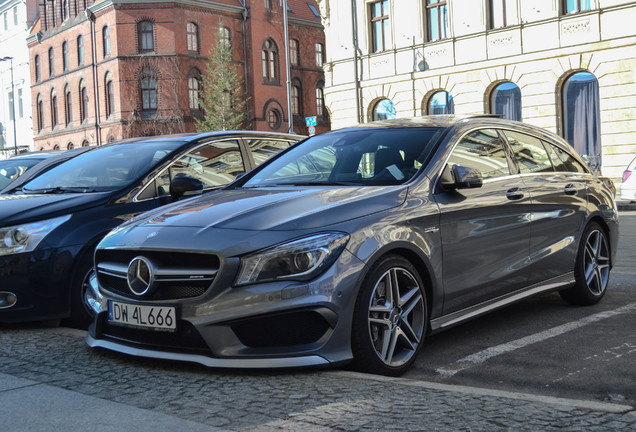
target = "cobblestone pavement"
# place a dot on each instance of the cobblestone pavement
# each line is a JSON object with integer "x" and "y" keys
{"x": 316, "y": 400}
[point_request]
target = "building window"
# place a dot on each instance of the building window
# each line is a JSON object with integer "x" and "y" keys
{"x": 53, "y": 109}
{"x": 38, "y": 73}
{"x": 268, "y": 4}
{"x": 148, "y": 95}
{"x": 65, "y": 58}
{"x": 106, "y": 40}
{"x": 295, "y": 98}
{"x": 70, "y": 146}
{"x": 273, "y": 119}
{"x": 293, "y": 52}
{"x": 85, "y": 143}
{"x": 573, "y": 6}
{"x": 15, "y": 15}
{"x": 505, "y": 100}
{"x": 51, "y": 62}
{"x": 380, "y": 25}
{"x": 192, "y": 37}
{"x": 110, "y": 96}
{"x": 437, "y": 19}
{"x": 65, "y": 10}
{"x": 80, "y": 50}
{"x": 269, "y": 59}
{"x": 503, "y": 13}
{"x": 39, "y": 113}
{"x": 320, "y": 54}
{"x": 6, "y": 20}
{"x": 83, "y": 94}
{"x": 68, "y": 105}
{"x": 11, "y": 106}
{"x": 384, "y": 109}
{"x": 194, "y": 88}
{"x": 441, "y": 103}
{"x": 20, "y": 104}
{"x": 320, "y": 101}
{"x": 226, "y": 36}
{"x": 581, "y": 117}
{"x": 145, "y": 34}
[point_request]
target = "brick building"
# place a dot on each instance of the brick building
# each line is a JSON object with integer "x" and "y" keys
{"x": 111, "y": 69}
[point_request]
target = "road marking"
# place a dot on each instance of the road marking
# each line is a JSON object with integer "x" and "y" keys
{"x": 483, "y": 356}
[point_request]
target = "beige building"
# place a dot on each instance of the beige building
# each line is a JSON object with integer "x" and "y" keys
{"x": 566, "y": 65}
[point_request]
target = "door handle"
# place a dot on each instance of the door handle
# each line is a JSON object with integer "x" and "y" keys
{"x": 570, "y": 189}
{"x": 514, "y": 194}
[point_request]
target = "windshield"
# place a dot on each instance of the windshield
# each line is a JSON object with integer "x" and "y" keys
{"x": 105, "y": 168}
{"x": 11, "y": 169}
{"x": 369, "y": 156}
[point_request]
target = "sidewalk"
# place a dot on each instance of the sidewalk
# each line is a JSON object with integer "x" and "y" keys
{"x": 50, "y": 380}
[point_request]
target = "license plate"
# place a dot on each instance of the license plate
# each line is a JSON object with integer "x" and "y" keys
{"x": 155, "y": 317}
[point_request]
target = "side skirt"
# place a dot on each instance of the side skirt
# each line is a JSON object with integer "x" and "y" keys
{"x": 446, "y": 321}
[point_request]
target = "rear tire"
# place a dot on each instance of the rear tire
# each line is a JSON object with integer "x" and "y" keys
{"x": 592, "y": 268}
{"x": 390, "y": 318}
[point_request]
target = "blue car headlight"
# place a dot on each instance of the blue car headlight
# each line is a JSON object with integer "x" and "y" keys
{"x": 25, "y": 237}
{"x": 301, "y": 259}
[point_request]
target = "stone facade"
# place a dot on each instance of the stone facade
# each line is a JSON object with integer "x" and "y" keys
{"x": 107, "y": 87}
{"x": 535, "y": 44}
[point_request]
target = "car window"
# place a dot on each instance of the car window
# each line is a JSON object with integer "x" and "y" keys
{"x": 11, "y": 169}
{"x": 482, "y": 149}
{"x": 367, "y": 156}
{"x": 529, "y": 153}
{"x": 562, "y": 161}
{"x": 264, "y": 148}
{"x": 214, "y": 164}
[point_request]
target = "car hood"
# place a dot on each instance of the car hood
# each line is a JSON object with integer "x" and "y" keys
{"x": 21, "y": 208}
{"x": 277, "y": 209}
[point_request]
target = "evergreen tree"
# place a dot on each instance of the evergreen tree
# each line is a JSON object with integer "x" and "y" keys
{"x": 222, "y": 98}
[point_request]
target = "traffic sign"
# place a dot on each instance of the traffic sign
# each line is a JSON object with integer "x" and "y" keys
{"x": 312, "y": 130}
{"x": 311, "y": 121}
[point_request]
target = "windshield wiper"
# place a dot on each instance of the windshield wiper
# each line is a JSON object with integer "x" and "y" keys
{"x": 61, "y": 189}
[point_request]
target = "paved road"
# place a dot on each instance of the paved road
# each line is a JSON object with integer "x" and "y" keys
{"x": 482, "y": 376}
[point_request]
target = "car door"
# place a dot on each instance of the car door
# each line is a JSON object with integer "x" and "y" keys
{"x": 485, "y": 231}
{"x": 558, "y": 185}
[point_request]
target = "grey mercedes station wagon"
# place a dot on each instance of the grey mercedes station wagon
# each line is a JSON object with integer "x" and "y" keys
{"x": 354, "y": 245}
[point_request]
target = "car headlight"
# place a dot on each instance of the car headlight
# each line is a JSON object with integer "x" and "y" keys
{"x": 301, "y": 259}
{"x": 26, "y": 237}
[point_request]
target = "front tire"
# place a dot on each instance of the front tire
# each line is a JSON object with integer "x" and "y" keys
{"x": 81, "y": 316}
{"x": 390, "y": 318}
{"x": 592, "y": 268}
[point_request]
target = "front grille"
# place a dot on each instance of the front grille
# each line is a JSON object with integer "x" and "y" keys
{"x": 177, "y": 275}
{"x": 285, "y": 329}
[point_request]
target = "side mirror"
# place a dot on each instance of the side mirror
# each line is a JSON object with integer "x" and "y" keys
{"x": 460, "y": 177}
{"x": 182, "y": 186}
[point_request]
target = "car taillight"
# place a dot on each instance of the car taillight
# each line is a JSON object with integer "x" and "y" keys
{"x": 626, "y": 175}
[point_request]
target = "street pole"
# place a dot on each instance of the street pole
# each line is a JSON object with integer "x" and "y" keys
{"x": 290, "y": 115}
{"x": 15, "y": 134}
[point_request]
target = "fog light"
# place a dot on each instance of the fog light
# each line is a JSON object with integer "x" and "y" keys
{"x": 7, "y": 299}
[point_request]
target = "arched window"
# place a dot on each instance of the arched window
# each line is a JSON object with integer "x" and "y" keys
{"x": 70, "y": 146}
{"x": 53, "y": 108}
{"x": 384, "y": 109}
{"x": 269, "y": 60}
{"x": 51, "y": 62}
{"x": 194, "y": 87}
{"x": 80, "y": 50}
{"x": 192, "y": 37}
{"x": 85, "y": 143}
{"x": 274, "y": 119}
{"x": 110, "y": 95}
{"x": 65, "y": 58}
{"x": 145, "y": 36}
{"x": 83, "y": 94}
{"x": 106, "y": 40}
{"x": 505, "y": 100}
{"x": 441, "y": 103}
{"x": 56, "y": 147}
{"x": 39, "y": 112}
{"x": 226, "y": 36}
{"x": 68, "y": 105}
{"x": 65, "y": 10}
{"x": 148, "y": 85}
{"x": 296, "y": 103}
{"x": 320, "y": 100}
{"x": 581, "y": 117}
{"x": 38, "y": 73}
